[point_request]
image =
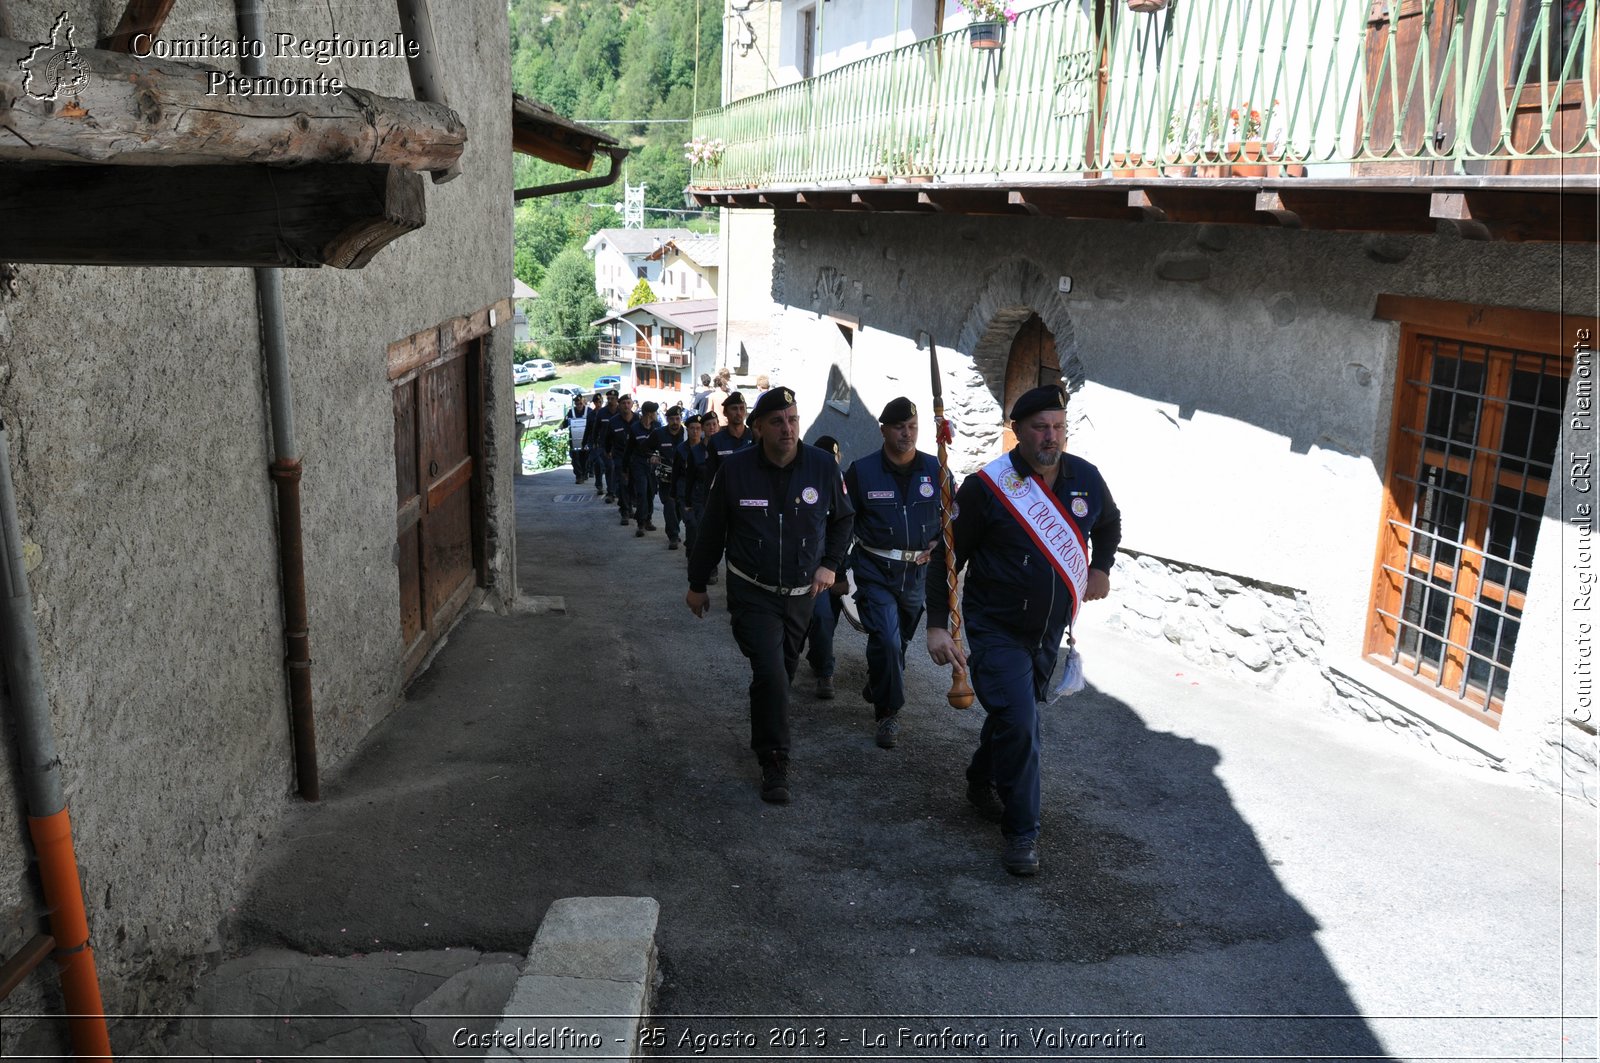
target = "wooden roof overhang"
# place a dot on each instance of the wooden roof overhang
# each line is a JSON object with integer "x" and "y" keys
{"x": 1517, "y": 209}
{"x": 148, "y": 166}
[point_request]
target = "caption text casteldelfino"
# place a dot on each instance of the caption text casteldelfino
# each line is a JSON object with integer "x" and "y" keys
{"x": 319, "y": 50}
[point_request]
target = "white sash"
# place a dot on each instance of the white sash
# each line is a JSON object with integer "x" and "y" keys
{"x": 1037, "y": 509}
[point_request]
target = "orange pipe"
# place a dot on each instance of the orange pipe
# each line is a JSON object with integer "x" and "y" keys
{"x": 69, "y": 924}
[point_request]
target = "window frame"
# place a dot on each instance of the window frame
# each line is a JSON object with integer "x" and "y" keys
{"x": 1506, "y": 336}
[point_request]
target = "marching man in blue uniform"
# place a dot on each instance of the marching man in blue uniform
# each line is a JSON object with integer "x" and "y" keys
{"x": 780, "y": 512}
{"x": 1037, "y": 531}
{"x": 895, "y": 492}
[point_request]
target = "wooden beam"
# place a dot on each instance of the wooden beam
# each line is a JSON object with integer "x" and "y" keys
{"x": 206, "y": 215}
{"x": 779, "y": 200}
{"x": 158, "y": 113}
{"x": 971, "y": 201}
{"x": 1093, "y": 204}
{"x": 1214, "y": 206}
{"x": 891, "y": 200}
{"x": 828, "y": 201}
{"x": 140, "y": 16}
{"x": 1519, "y": 216}
{"x": 1348, "y": 211}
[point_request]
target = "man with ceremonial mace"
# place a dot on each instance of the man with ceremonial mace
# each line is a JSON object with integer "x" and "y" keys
{"x": 1037, "y": 531}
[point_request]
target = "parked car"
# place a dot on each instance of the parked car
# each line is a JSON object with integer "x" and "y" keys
{"x": 563, "y": 394}
{"x": 521, "y": 374}
{"x": 542, "y": 368}
{"x": 602, "y": 383}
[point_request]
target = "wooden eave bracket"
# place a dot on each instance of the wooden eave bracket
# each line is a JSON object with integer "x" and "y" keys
{"x": 150, "y": 112}
{"x": 140, "y": 16}
{"x": 305, "y": 216}
{"x": 1089, "y": 204}
{"x": 1519, "y": 216}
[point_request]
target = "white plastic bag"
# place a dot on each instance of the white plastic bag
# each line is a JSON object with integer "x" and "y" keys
{"x": 1071, "y": 676}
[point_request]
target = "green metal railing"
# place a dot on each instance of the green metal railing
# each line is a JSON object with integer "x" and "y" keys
{"x": 1451, "y": 86}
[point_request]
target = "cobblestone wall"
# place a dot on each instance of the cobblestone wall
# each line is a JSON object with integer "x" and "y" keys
{"x": 1268, "y": 635}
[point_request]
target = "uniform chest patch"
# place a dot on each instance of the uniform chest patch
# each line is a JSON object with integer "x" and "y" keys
{"x": 1080, "y": 508}
{"x": 926, "y": 490}
{"x": 873, "y": 495}
{"x": 810, "y": 496}
{"x": 761, "y": 502}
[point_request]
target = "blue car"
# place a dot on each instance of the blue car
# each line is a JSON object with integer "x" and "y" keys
{"x": 602, "y": 383}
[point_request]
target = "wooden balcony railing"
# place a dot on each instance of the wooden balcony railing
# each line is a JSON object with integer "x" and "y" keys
{"x": 1206, "y": 89}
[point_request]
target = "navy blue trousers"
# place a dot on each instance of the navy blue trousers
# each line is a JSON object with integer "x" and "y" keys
{"x": 1009, "y": 676}
{"x": 604, "y": 478}
{"x": 890, "y": 620}
{"x": 825, "y": 612}
{"x": 669, "y": 512}
{"x": 769, "y": 629}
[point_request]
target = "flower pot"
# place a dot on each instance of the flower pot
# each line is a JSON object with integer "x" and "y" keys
{"x": 1249, "y": 156}
{"x": 987, "y": 34}
{"x": 1147, "y": 7}
{"x": 919, "y": 178}
{"x": 877, "y": 179}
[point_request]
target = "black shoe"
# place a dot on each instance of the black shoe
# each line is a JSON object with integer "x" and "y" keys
{"x": 609, "y": 498}
{"x": 649, "y": 525}
{"x": 982, "y": 797}
{"x": 638, "y": 532}
{"x": 824, "y": 688}
{"x": 775, "y": 781}
{"x": 624, "y": 519}
{"x": 1021, "y": 856}
{"x": 672, "y": 544}
{"x": 888, "y": 731}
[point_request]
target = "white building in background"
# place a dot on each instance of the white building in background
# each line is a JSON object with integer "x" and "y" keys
{"x": 623, "y": 257}
{"x": 666, "y": 346}
{"x": 689, "y": 267}
{"x": 522, "y": 298}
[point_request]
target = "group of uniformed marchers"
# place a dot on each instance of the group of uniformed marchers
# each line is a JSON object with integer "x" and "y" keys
{"x": 1035, "y": 531}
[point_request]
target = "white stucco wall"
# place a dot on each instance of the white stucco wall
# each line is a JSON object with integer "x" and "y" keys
{"x": 140, "y": 445}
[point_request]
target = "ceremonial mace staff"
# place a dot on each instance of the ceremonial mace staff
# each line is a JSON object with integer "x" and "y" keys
{"x": 960, "y": 695}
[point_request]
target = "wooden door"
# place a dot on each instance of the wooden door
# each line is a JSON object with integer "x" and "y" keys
{"x": 1406, "y": 47}
{"x": 1033, "y": 362}
{"x": 438, "y": 495}
{"x": 1549, "y": 44}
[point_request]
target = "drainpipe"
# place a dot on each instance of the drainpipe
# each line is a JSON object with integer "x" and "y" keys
{"x": 48, "y": 821}
{"x": 285, "y": 471}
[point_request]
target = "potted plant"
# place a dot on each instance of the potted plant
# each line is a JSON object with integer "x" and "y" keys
{"x": 1192, "y": 137}
{"x": 1244, "y": 143}
{"x": 706, "y": 155}
{"x": 987, "y": 23}
{"x": 913, "y": 163}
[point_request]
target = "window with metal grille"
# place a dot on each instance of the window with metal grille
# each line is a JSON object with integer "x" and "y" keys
{"x": 1476, "y": 429}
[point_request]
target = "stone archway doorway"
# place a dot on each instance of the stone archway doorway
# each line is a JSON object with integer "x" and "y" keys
{"x": 1033, "y": 362}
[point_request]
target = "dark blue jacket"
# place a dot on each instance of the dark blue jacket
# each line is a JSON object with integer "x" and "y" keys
{"x": 664, "y": 444}
{"x": 1010, "y": 581}
{"x": 597, "y": 430}
{"x": 777, "y": 524}
{"x": 617, "y": 435}
{"x": 691, "y": 473}
{"x": 894, "y": 511}
{"x": 722, "y": 444}
{"x": 636, "y": 442}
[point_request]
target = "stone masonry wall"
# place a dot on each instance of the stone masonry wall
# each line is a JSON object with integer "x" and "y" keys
{"x": 1268, "y": 635}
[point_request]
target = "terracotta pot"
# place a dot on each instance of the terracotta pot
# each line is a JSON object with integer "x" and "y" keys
{"x": 920, "y": 178}
{"x": 1249, "y": 154}
{"x": 1147, "y": 7}
{"x": 877, "y": 179}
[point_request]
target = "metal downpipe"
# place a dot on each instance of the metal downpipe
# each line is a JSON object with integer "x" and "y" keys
{"x": 285, "y": 471}
{"x": 48, "y": 821}
{"x": 426, "y": 85}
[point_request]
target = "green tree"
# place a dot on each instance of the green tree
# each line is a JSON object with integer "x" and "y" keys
{"x": 642, "y": 293}
{"x": 560, "y": 322}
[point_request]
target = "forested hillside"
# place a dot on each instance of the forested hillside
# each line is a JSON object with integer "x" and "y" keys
{"x": 602, "y": 60}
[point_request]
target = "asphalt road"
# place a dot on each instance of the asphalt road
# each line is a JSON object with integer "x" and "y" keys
{"x": 1224, "y": 874}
